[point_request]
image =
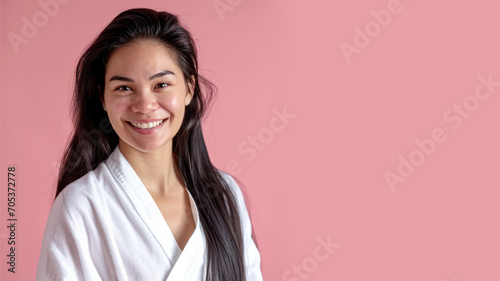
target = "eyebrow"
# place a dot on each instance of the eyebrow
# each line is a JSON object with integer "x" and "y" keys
{"x": 159, "y": 74}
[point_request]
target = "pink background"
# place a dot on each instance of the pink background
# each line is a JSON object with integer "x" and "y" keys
{"x": 321, "y": 175}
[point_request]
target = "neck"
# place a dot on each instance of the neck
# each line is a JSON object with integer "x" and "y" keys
{"x": 157, "y": 169}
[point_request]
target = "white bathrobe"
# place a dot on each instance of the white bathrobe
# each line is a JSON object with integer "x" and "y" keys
{"x": 106, "y": 226}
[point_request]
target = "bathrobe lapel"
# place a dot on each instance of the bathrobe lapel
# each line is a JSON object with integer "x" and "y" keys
{"x": 190, "y": 261}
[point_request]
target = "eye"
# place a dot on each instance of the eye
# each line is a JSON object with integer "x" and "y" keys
{"x": 162, "y": 85}
{"x": 123, "y": 88}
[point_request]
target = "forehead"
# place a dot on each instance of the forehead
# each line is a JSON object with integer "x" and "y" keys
{"x": 142, "y": 58}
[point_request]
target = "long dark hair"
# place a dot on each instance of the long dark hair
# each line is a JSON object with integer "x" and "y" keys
{"x": 93, "y": 138}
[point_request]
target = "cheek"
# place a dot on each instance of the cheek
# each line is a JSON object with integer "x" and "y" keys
{"x": 116, "y": 109}
{"x": 173, "y": 104}
{"x": 117, "y": 105}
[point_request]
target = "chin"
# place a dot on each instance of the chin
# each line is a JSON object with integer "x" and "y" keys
{"x": 148, "y": 147}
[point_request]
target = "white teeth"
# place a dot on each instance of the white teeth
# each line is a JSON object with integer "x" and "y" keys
{"x": 146, "y": 125}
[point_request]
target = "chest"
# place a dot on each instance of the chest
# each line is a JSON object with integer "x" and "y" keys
{"x": 178, "y": 215}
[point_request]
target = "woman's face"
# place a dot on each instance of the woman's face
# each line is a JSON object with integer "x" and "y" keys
{"x": 145, "y": 95}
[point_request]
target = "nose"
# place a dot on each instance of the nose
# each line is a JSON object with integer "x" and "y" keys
{"x": 144, "y": 101}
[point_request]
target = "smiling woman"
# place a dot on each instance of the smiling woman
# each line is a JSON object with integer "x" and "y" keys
{"x": 143, "y": 201}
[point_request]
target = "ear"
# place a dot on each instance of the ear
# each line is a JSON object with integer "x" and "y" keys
{"x": 190, "y": 93}
{"x": 101, "y": 96}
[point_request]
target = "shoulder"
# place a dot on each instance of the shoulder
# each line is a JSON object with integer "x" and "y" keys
{"x": 233, "y": 185}
{"x": 84, "y": 189}
{"x": 239, "y": 196}
{"x": 78, "y": 200}
{"x": 76, "y": 206}
{"x": 227, "y": 177}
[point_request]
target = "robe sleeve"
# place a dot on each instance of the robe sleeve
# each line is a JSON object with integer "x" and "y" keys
{"x": 251, "y": 255}
{"x": 65, "y": 253}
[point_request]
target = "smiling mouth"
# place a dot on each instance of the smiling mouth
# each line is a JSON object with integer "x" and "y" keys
{"x": 149, "y": 125}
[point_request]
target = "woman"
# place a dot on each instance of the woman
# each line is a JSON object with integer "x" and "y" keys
{"x": 137, "y": 196}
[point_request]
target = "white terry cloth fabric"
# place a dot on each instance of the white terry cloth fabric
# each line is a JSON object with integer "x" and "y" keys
{"x": 106, "y": 226}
